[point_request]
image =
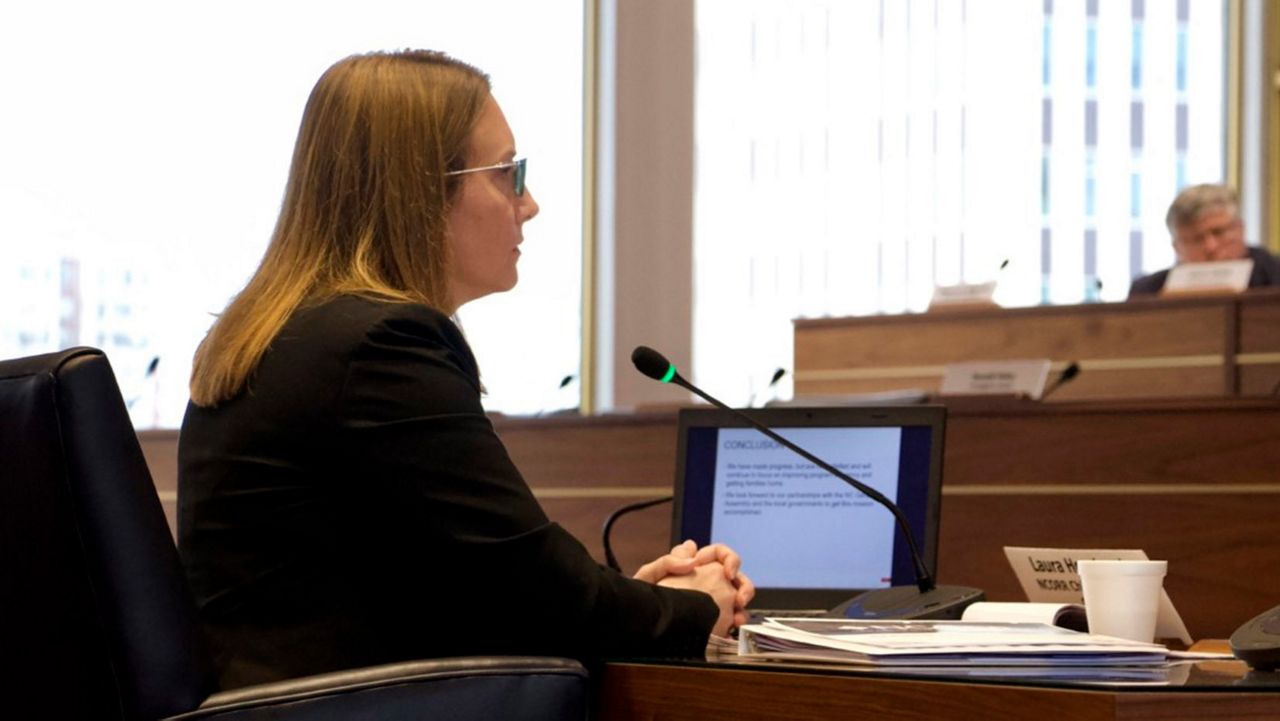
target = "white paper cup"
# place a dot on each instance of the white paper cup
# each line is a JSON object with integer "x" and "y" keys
{"x": 1121, "y": 598}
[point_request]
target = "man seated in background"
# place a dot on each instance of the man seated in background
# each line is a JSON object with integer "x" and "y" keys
{"x": 1204, "y": 221}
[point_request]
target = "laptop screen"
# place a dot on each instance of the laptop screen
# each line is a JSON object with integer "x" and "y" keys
{"x": 808, "y": 539}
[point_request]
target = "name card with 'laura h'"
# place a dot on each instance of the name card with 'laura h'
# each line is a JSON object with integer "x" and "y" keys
{"x": 1006, "y": 377}
{"x": 1049, "y": 575}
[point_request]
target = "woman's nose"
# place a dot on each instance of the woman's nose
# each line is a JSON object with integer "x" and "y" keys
{"x": 528, "y": 206}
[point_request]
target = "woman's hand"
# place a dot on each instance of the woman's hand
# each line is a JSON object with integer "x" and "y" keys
{"x": 685, "y": 558}
{"x": 732, "y": 563}
{"x": 680, "y": 561}
{"x": 710, "y": 579}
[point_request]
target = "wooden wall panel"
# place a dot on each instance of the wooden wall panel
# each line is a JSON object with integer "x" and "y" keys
{"x": 1168, "y": 328}
{"x": 1259, "y": 345}
{"x": 1202, "y": 443}
{"x": 161, "y": 451}
{"x": 1142, "y": 349}
{"x": 637, "y": 537}
{"x": 1260, "y": 322}
{"x": 1219, "y": 547}
{"x": 1260, "y": 380}
{"x": 583, "y": 469}
{"x": 1092, "y": 383}
{"x": 622, "y": 450}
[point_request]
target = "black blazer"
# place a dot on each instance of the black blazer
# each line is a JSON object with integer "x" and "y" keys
{"x": 354, "y": 506}
{"x": 1266, "y": 272}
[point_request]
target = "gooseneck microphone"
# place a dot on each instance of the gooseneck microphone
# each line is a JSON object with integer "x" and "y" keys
{"x": 150, "y": 371}
{"x": 925, "y": 600}
{"x": 652, "y": 363}
{"x": 1071, "y": 371}
{"x": 773, "y": 381}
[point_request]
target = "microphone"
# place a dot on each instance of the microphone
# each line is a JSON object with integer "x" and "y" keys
{"x": 564, "y": 383}
{"x": 924, "y": 600}
{"x": 1071, "y": 371}
{"x": 150, "y": 371}
{"x": 777, "y": 376}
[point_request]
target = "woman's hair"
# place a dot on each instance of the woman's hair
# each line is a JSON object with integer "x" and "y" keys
{"x": 365, "y": 205}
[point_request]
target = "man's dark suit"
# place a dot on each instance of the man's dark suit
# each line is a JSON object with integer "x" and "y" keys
{"x": 1266, "y": 272}
{"x": 354, "y": 506}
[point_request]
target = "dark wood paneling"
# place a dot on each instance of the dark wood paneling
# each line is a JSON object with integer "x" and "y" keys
{"x": 637, "y": 537}
{"x": 161, "y": 451}
{"x": 1259, "y": 334}
{"x": 603, "y": 453}
{"x": 1115, "y": 330}
{"x": 1260, "y": 322}
{"x": 1260, "y": 380}
{"x": 1217, "y": 543}
{"x": 618, "y": 450}
{"x": 1220, "y": 548}
{"x": 160, "y": 448}
{"x": 1155, "y": 348}
{"x": 1211, "y": 442}
{"x": 1192, "y": 382}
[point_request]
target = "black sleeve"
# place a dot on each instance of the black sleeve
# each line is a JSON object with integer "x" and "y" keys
{"x": 1148, "y": 284}
{"x": 466, "y": 521}
{"x": 1266, "y": 268}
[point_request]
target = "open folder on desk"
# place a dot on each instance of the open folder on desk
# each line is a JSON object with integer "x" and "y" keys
{"x": 941, "y": 643}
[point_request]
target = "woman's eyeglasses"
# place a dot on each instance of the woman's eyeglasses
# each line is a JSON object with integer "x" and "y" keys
{"x": 517, "y": 166}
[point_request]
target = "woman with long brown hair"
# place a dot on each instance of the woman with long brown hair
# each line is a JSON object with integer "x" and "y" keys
{"x": 343, "y": 499}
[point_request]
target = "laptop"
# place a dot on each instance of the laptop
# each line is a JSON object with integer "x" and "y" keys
{"x": 807, "y": 539}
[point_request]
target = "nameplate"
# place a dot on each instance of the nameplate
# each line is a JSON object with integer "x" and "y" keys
{"x": 1223, "y": 276}
{"x": 1048, "y": 575}
{"x": 963, "y": 295}
{"x": 1012, "y": 377}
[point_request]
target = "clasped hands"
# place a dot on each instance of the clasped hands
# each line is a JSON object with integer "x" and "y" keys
{"x": 714, "y": 569}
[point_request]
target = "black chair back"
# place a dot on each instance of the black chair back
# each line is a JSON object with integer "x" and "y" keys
{"x": 92, "y": 593}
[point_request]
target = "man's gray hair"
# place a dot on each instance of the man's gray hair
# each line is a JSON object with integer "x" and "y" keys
{"x": 1193, "y": 201}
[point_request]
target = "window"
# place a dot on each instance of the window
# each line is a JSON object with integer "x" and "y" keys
{"x": 146, "y": 145}
{"x": 852, "y": 155}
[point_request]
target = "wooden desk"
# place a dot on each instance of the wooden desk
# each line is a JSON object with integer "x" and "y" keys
{"x": 1196, "y": 483}
{"x": 710, "y": 691}
{"x": 1152, "y": 348}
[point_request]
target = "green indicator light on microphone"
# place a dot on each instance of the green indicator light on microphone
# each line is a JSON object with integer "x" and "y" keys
{"x": 671, "y": 373}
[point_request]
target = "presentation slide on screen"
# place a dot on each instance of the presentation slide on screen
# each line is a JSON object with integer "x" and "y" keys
{"x": 796, "y": 525}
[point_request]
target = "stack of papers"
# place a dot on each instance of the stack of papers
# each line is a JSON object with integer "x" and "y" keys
{"x": 939, "y": 643}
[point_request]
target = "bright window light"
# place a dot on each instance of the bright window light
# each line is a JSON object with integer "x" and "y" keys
{"x": 145, "y": 147}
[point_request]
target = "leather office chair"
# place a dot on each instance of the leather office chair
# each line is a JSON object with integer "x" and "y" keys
{"x": 97, "y": 620}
